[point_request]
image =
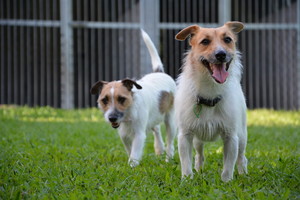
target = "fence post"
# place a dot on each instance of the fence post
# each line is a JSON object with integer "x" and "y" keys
{"x": 224, "y": 11}
{"x": 149, "y": 19}
{"x": 66, "y": 41}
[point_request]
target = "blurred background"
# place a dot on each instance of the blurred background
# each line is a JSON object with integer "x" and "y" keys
{"x": 52, "y": 51}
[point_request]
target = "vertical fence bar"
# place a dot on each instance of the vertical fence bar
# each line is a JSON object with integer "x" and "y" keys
{"x": 176, "y": 56}
{"x": 2, "y": 66}
{"x": 42, "y": 47}
{"x": 164, "y": 18}
{"x": 107, "y": 43}
{"x": 270, "y": 63}
{"x": 277, "y": 58}
{"x": 79, "y": 55}
{"x": 250, "y": 56}
{"x": 9, "y": 60}
{"x": 176, "y": 14}
{"x": 16, "y": 58}
{"x": 114, "y": 52}
{"x": 290, "y": 73}
{"x": 135, "y": 14}
{"x": 2, "y": 71}
{"x": 128, "y": 63}
{"x": 86, "y": 65}
{"x": 67, "y": 71}
{"x": 213, "y": 15}
{"x": 15, "y": 65}
{"x": 264, "y": 63}
{"x": 48, "y": 57}
{"x": 298, "y": 52}
{"x": 224, "y": 11}
{"x": 22, "y": 57}
{"x": 121, "y": 39}
{"x": 285, "y": 89}
{"x": 35, "y": 56}
{"x": 149, "y": 19}
{"x": 93, "y": 52}
{"x": 56, "y": 60}
{"x": 242, "y": 40}
{"x": 207, "y": 14}
{"x": 257, "y": 53}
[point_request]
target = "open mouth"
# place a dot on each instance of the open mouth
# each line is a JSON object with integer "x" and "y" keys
{"x": 219, "y": 71}
{"x": 115, "y": 124}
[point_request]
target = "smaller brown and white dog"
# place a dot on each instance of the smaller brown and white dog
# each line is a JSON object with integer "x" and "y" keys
{"x": 209, "y": 100}
{"x": 136, "y": 107}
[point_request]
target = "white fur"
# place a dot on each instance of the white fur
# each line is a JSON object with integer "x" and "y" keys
{"x": 112, "y": 107}
{"x": 227, "y": 119}
{"x": 155, "y": 59}
{"x": 144, "y": 114}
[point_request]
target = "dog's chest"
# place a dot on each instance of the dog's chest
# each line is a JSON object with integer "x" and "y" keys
{"x": 208, "y": 126}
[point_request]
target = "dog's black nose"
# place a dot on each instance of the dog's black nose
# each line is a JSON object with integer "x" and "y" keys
{"x": 112, "y": 118}
{"x": 221, "y": 56}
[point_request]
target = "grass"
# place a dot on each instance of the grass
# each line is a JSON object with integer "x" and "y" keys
{"x": 48, "y": 153}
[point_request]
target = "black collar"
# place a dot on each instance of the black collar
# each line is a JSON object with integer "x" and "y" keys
{"x": 208, "y": 102}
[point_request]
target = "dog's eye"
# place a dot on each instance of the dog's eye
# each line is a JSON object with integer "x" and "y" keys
{"x": 227, "y": 40}
{"x": 105, "y": 100}
{"x": 205, "y": 42}
{"x": 121, "y": 100}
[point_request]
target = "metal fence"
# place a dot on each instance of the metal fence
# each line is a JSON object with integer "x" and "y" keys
{"x": 52, "y": 51}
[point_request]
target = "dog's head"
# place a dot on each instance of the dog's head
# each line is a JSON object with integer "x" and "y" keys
{"x": 213, "y": 48}
{"x": 115, "y": 98}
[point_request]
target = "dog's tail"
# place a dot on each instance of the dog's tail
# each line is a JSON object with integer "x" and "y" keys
{"x": 157, "y": 65}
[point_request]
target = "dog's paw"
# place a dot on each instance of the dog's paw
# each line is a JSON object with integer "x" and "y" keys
{"x": 133, "y": 162}
{"x": 169, "y": 158}
{"x": 187, "y": 177}
{"x": 242, "y": 169}
{"x": 242, "y": 166}
{"x": 199, "y": 162}
{"x": 226, "y": 176}
{"x": 159, "y": 152}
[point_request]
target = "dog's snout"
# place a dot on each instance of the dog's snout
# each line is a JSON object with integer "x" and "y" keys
{"x": 112, "y": 118}
{"x": 115, "y": 116}
{"x": 221, "y": 56}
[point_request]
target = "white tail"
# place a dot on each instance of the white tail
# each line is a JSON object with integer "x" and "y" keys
{"x": 157, "y": 65}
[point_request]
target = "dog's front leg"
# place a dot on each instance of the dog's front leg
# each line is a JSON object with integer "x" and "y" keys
{"x": 137, "y": 148}
{"x": 185, "y": 153}
{"x": 127, "y": 143}
{"x": 230, "y": 156}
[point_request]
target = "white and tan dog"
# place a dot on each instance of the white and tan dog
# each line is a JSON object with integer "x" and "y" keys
{"x": 135, "y": 107}
{"x": 209, "y": 101}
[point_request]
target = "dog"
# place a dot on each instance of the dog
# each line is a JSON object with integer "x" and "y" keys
{"x": 209, "y": 100}
{"x": 136, "y": 107}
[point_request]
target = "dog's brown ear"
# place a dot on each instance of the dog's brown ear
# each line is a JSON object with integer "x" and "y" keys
{"x": 235, "y": 26}
{"x": 184, "y": 33}
{"x": 128, "y": 83}
{"x": 97, "y": 87}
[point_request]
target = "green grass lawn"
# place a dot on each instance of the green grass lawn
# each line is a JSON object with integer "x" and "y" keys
{"x": 48, "y": 153}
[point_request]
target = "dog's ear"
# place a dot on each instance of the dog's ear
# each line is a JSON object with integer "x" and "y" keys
{"x": 128, "y": 83}
{"x": 97, "y": 87}
{"x": 188, "y": 31}
{"x": 235, "y": 26}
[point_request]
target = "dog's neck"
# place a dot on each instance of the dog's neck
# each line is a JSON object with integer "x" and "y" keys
{"x": 208, "y": 102}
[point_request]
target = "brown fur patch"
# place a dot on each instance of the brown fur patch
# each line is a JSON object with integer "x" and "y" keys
{"x": 166, "y": 100}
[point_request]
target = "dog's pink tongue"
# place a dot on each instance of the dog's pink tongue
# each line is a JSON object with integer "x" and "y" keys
{"x": 219, "y": 72}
